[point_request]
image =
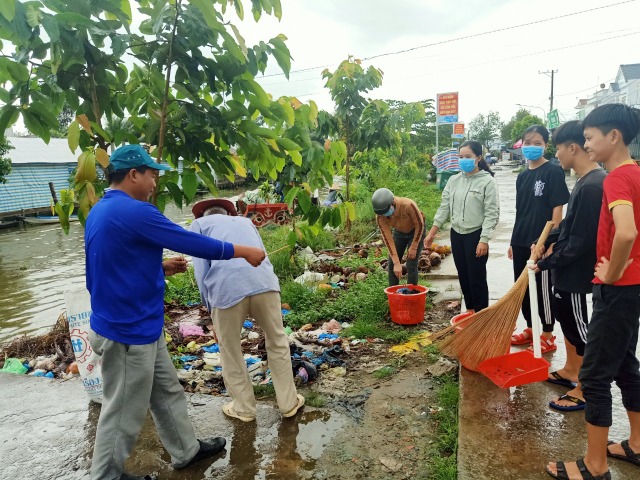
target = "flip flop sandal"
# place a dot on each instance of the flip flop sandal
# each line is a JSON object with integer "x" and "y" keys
{"x": 584, "y": 471}
{"x": 560, "y": 380}
{"x": 521, "y": 338}
{"x": 630, "y": 456}
{"x": 578, "y": 404}
{"x": 548, "y": 344}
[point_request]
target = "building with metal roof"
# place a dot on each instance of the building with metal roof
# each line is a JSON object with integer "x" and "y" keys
{"x": 33, "y": 165}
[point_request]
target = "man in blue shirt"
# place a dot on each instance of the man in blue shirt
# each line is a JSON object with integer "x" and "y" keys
{"x": 231, "y": 291}
{"x": 124, "y": 241}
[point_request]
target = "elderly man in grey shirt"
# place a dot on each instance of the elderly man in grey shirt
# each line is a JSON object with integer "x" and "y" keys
{"x": 231, "y": 292}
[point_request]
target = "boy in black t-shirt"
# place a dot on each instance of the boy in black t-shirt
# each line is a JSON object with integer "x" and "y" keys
{"x": 541, "y": 191}
{"x": 570, "y": 255}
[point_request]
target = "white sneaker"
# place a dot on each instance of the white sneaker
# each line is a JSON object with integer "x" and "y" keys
{"x": 230, "y": 412}
{"x": 295, "y": 409}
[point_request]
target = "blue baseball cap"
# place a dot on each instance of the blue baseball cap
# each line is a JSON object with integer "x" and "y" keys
{"x": 132, "y": 156}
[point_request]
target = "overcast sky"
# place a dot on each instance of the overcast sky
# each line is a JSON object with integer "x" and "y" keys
{"x": 490, "y": 72}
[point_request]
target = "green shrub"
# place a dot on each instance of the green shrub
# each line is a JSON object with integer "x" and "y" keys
{"x": 182, "y": 289}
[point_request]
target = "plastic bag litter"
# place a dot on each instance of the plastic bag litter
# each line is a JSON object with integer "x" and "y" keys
{"x": 190, "y": 330}
{"x": 415, "y": 343}
{"x": 311, "y": 277}
{"x": 215, "y": 348}
{"x": 13, "y": 365}
{"x": 332, "y": 326}
{"x": 78, "y": 304}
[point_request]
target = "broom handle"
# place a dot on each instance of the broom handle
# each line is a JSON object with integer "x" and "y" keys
{"x": 541, "y": 239}
{"x": 278, "y": 250}
{"x": 535, "y": 315}
{"x": 533, "y": 294}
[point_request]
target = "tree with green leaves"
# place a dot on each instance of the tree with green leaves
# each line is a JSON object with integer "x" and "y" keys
{"x": 508, "y": 127}
{"x": 190, "y": 95}
{"x": 521, "y": 125}
{"x": 347, "y": 86}
{"x": 485, "y": 129}
{"x": 5, "y": 162}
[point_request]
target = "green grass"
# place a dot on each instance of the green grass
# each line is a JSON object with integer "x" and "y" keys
{"x": 315, "y": 399}
{"x": 181, "y": 288}
{"x": 444, "y": 462}
{"x": 364, "y": 305}
{"x": 433, "y": 354}
{"x": 384, "y": 372}
{"x": 264, "y": 391}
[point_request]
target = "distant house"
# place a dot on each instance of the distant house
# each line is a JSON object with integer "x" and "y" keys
{"x": 624, "y": 89}
{"x": 33, "y": 165}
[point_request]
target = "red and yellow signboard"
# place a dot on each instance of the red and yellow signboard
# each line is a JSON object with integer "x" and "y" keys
{"x": 458, "y": 128}
{"x": 448, "y": 107}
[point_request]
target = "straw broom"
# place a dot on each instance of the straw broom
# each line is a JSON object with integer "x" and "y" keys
{"x": 487, "y": 334}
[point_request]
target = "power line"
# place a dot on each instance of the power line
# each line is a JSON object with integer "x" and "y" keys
{"x": 504, "y": 29}
{"x": 464, "y": 37}
{"x": 501, "y": 60}
{"x": 584, "y": 89}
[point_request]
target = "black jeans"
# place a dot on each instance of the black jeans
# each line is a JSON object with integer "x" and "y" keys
{"x": 402, "y": 242}
{"x": 543, "y": 283}
{"x": 472, "y": 270}
{"x": 610, "y": 353}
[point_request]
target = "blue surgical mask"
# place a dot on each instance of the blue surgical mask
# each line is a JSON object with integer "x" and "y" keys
{"x": 467, "y": 165}
{"x": 532, "y": 152}
{"x": 390, "y": 212}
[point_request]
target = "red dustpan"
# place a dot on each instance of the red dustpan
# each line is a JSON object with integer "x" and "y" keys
{"x": 522, "y": 367}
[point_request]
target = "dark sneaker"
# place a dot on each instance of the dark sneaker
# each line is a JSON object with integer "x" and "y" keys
{"x": 208, "y": 448}
{"x": 128, "y": 476}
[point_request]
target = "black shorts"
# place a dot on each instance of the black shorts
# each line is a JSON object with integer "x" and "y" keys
{"x": 570, "y": 309}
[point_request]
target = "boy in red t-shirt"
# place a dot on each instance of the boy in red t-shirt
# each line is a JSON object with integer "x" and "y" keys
{"x": 612, "y": 338}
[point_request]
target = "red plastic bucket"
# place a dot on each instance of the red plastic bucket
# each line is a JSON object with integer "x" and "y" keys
{"x": 407, "y": 309}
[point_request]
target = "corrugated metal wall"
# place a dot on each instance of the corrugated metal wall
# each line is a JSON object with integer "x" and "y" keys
{"x": 28, "y": 185}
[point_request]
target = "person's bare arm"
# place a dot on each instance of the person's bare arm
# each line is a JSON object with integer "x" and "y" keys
{"x": 556, "y": 217}
{"x": 611, "y": 270}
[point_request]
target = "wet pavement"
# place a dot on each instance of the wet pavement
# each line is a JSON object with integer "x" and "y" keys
{"x": 512, "y": 433}
{"x": 47, "y": 426}
{"x": 55, "y": 439}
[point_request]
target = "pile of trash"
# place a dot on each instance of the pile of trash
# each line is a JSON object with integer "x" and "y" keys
{"x": 49, "y": 355}
{"x": 323, "y": 272}
{"x": 196, "y": 353}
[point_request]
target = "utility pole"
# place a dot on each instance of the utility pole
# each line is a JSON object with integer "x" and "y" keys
{"x": 550, "y": 73}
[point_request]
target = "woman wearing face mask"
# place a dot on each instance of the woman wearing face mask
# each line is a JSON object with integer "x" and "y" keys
{"x": 407, "y": 221}
{"x": 541, "y": 191}
{"x": 470, "y": 200}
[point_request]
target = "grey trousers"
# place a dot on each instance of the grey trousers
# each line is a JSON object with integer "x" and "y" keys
{"x": 138, "y": 378}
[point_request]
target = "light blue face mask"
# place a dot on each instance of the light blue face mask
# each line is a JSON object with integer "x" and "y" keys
{"x": 467, "y": 165}
{"x": 532, "y": 152}
{"x": 390, "y": 212}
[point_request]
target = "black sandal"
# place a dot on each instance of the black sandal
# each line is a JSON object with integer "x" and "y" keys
{"x": 630, "y": 456}
{"x": 584, "y": 471}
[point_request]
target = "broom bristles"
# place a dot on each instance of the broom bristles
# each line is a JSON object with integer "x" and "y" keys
{"x": 487, "y": 333}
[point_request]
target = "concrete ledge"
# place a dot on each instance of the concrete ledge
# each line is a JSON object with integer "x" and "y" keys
{"x": 513, "y": 434}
